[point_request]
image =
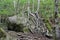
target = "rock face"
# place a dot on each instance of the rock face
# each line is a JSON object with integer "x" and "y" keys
{"x": 16, "y": 23}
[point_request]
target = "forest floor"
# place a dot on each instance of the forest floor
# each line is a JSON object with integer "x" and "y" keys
{"x": 27, "y": 36}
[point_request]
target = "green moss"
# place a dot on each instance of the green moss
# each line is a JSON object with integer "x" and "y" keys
{"x": 48, "y": 25}
{"x": 2, "y": 33}
{"x": 25, "y": 29}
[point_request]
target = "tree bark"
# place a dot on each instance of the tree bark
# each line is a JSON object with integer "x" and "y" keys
{"x": 55, "y": 19}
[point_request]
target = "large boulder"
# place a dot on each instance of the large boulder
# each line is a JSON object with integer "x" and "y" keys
{"x": 16, "y": 23}
{"x": 17, "y": 19}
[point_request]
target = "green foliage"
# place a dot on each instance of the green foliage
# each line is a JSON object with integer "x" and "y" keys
{"x": 2, "y": 33}
{"x": 6, "y": 7}
{"x": 48, "y": 25}
{"x": 46, "y": 8}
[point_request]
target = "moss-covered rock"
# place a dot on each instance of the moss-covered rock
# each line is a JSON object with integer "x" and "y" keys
{"x": 16, "y": 27}
{"x": 16, "y": 23}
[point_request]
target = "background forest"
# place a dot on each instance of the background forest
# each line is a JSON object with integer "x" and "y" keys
{"x": 34, "y": 16}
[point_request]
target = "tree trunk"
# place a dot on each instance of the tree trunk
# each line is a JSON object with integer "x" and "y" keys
{"x": 55, "y": 19}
